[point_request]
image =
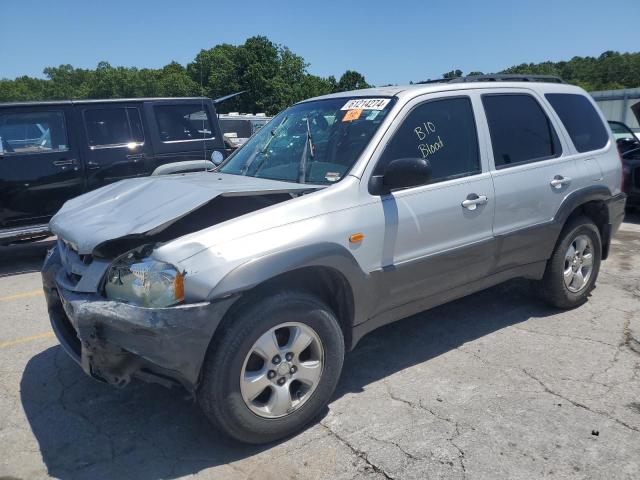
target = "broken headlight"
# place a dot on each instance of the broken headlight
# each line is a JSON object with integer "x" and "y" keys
{"x": 144, "y": 281}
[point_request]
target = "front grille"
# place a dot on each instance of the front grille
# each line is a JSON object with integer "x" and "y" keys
{"x": 74, "y": 264}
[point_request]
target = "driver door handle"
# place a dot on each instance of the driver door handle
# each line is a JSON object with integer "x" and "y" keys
{"x": 65, "y": 162}
{"x": 559, "y": 181}
{"x": 473, "y": 200}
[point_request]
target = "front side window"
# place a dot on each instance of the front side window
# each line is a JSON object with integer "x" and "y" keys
{"x": 581, "y": 120}
{"x": 179, "y": 123}
{"x": 311, "y": 142}
{"x": 520, "y": 130}
{"x": 33, "y": 132}
{"x": 112, "y": 127}
{"x": 621, "y": 131}
{"x": 441, "y": 131}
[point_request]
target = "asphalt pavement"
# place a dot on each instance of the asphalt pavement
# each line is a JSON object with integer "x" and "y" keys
{"x": 493, "y": 386}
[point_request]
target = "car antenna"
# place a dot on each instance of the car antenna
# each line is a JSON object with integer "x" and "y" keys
{"x": 204, "y": 113}
{"x": 216, "y": 101}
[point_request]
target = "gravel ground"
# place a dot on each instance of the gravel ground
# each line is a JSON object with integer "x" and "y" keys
{"x": 493, "y": 386}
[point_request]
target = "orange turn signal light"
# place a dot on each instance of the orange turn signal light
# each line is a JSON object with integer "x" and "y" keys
{"x": 178, "y": 287}
{"x": 356, "y": 237}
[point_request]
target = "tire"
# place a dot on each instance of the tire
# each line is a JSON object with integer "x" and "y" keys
{"x": 233, "y": 349}
{"x": 555, "y": 289}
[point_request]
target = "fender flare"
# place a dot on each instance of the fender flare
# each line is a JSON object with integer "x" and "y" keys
{"x": 580, "y": 197}
{"x": 326, "y": 254}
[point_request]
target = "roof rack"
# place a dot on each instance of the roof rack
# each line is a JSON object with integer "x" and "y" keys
{"x": 500, "y": 77}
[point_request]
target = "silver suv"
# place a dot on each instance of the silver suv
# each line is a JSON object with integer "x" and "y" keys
{"x": 247, "y": 284}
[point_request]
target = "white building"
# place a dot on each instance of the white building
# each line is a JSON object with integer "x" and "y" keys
{"x": 616, "y": 105}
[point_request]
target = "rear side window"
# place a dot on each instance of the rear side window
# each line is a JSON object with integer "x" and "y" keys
{"x": 443, "y": 132}
{"x": 32, "y": 132}
{"x": 179, "y": 123}
{"x": 520, "y": 130}
{"x": 112, "y": 127}
{"x": 240, "y": 127}
{"x": 580, "y": 119}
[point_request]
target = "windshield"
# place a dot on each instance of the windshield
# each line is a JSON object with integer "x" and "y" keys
{"x": 313, "y": 142}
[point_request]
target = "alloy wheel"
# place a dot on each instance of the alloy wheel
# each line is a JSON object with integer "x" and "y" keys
{"x": 282, "y": 370}
{"x": 578, "y": 263}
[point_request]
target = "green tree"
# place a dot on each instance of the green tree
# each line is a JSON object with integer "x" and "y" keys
{"x": 351, "y": 80}
{"x": 452, "y": 74}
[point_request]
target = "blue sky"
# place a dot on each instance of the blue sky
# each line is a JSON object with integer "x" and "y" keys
{"x": 389, "y": 42}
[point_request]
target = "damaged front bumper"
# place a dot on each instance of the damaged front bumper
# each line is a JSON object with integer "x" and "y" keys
{"x": 114, "y": 341}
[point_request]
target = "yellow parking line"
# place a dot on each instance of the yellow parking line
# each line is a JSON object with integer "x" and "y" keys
{"x": 33, "y": 293}
{"x": 20, "y": 341}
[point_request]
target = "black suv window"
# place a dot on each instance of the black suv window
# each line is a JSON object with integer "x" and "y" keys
{"x": 178, "y": 123}
{"x": 32, "y": 132}
{"x": 580, "y": 119}
{"x": 117, "y": 126}
{"x": 443, "y": 132}
{"x": 520, "y": 130}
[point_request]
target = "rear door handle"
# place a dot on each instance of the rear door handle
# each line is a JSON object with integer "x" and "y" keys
{"x": 473, "y": 200}
{"x": 559, "y": 181}
{"x": 135, "y": 156}
{"x": 65, "y": 162}
{"x": 93, "y": 165}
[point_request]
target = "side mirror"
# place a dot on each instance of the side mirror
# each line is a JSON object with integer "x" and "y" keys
{"x": 217, "y": 157}
{"x": 401, "y": 173}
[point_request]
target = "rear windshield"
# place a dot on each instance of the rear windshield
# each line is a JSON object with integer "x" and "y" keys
{"x": 581, "y": 120}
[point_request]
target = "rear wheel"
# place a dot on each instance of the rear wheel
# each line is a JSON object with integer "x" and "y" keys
{"x": 272, "y": 368}
{"x": 573, "y": 268}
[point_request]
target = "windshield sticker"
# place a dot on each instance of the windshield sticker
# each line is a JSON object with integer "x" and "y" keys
{"x": 372, "y": 115}
{"x": 332, "y": 176}
{"x": 366, "y": 103}
{"x": 434, "y": 143}
{"x": 352, "y": 115}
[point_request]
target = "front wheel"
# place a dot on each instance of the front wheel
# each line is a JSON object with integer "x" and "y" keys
{"x": 272, "y": 368}
{"x": 574, "y": 265}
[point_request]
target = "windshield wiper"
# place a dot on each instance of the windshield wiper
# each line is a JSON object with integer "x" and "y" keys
{"x": 308, "y": 146}
{"x": 251, "y": 159}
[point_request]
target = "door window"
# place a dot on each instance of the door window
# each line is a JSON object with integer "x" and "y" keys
{"x": 441, "y": 131}
{"x": 520, "y": 130}
{"x": 179, "y": 123}
{"x": 581, "y": 120}
{"x": 32, "y": 132}
{"x": 113, "y": 127}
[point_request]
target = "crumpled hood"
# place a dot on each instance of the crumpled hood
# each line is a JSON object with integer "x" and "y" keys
{"x": 139, "y": 205}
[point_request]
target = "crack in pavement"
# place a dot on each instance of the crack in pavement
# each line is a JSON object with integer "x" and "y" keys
{"x": 628, "y": 339}
{"x": 578, "y": 404}
{"x": 563, "y": 335}
{"x": 419, "y": 406}
{"x": 358, "y": 453}
{"x": 397, "y": 445}
{"x": 65, "y": 406}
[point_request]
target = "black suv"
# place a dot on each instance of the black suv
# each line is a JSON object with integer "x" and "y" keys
{"x": 629, "y": 148}
{"x": 53, "y": 151}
